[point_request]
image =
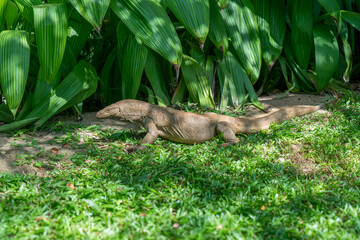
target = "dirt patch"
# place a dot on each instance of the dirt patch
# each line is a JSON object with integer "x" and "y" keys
{"x": 42, "y": 146}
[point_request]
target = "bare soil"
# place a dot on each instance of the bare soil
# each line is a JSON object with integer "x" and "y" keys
{"x": 13, "y": 149}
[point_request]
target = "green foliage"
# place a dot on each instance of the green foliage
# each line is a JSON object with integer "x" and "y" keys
{"x": 228, "y": 42}
{"x": 293, "y": 181}
{"x": 14, "y": 66}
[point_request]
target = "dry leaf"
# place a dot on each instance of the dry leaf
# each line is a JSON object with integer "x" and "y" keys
{"x": 65, "y": 145}
{"x": 70, "y": 185}
{"x": 54, "y": 150}
{"x": 263, "y": 207}
{"x": 219, "y": 227}
{"x": 142, "y": 214}
{"x": 40, "y": 219}
{"x": 176, "y": 225}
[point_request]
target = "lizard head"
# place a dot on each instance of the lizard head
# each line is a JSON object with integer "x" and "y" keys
{"x": 129, "y": 110}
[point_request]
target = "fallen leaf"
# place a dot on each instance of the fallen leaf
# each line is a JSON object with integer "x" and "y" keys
{"x": 120, "y": 189}
{"x": 40, "y": 219}
{"x": 176, "y": 225}
{"x": 219, "y": 227}
{"x": 142, "y": 214}
{"x": 70, "y": 185}
{"x": 54, "y": 150}
{"x": 65, "y": 145}
{"x": 263, "y": 207}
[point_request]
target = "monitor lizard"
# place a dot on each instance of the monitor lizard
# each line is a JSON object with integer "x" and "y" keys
{"x": 189, "y": 128}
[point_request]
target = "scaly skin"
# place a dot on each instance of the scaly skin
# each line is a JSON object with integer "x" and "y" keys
{"x": 189, "y": 128}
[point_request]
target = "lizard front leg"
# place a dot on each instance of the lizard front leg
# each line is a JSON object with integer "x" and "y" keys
{"x": 228, "y": 134}
{"x": 152, "y": 131}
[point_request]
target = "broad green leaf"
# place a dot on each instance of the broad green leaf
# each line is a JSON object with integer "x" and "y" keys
{"x": 235, "y": 84}
{"x": 194, "y": 15}
{"x": 81, "y": 29}
{"x": 29, "y": 3}
{"x": 151, "y": 24}
{"x": 26, "y": 107}
{"x": 12, "y": 14}
{"x": 197, "y": 82}
{"x": 43, "y": 89}
{"x": 353, "y": 18}
{"x": 217, "y": 32}
{"x": 242, "y": 27}
{"x": 92, "y": 10}
{"x": 332, "y": 7}
{"x": 50, "y": 22}
{"x": 122, "y": 35}
{"x": 132, "y": 68}
{"x": 155, "y": 72}
{"x": 27, "y": 10}
{"x": 301, "y": 31}
{"x": 80, "y": 84}
{"x": 326, "y": 55}
{"x": 271, "y": 15}
{"x": 17, "y": 124}
{"x": 77, "y": 86}
{"x": 5, "y": 113}
{"x": 14, "y": 66}
{"x": 303, "y": 80}
{"x": 68, "y": 62}
{"x": 299, "y": 76}
{"x": 223, "y": 3}
{"x": 107, "y": 79}
{"x": 180, "y": 92}
{"x": 3, "y": 5}
{"x": 344, "y": 34}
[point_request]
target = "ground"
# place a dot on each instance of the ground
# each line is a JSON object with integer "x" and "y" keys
{"x": 42, "y": 145}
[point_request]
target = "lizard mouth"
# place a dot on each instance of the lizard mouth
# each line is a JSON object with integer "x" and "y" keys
{"x": 100, "y": 114}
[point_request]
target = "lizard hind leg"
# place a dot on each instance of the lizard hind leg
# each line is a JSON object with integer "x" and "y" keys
{"x": 228, "y": 134}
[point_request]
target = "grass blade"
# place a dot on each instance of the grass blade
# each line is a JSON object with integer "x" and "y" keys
{"x": 326, "y": 55}
{"x": 50, "y": 22}
{"x": 151, "y": 24}
{"x": 14, "y": 66}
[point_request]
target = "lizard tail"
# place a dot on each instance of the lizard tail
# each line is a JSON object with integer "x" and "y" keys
{"x": 247, "y": 125}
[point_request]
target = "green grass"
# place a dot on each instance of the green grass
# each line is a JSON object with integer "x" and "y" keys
{"x": 298, "y": 180}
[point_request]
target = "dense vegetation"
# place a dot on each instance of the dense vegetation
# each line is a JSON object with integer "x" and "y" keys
{"x": 298, "y": 180}
{"x": 53, "y": 53}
